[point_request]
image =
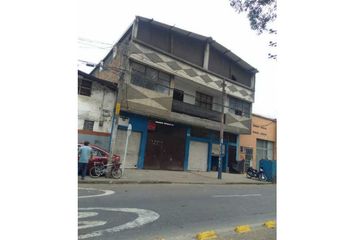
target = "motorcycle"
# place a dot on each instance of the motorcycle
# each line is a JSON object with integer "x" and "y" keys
{"x": 253, "y": 173}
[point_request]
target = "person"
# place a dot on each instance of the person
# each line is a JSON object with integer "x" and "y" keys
{"x": 85, "y": 154}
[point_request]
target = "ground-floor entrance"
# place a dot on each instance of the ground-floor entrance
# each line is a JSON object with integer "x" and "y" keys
{"x": 165, "y": 147}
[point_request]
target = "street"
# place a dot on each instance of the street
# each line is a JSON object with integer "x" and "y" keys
{"x": 169, "y": 211}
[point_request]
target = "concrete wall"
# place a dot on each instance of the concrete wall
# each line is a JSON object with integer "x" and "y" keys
{"x": 190, "y": 89}
{"x": 102, "y": 141}
{"x": 97, "y": 107}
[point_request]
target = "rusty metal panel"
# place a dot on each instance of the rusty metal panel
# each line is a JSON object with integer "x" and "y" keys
{"x": 165, "y": 148}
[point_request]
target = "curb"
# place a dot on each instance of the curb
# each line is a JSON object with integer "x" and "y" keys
{"x": 239, "y": 230}
{"x": 206, "y": 235}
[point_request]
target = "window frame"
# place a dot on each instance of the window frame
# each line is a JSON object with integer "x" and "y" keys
{"x": 203, "y": 100}
{"x": 150, "y": 78}
{"x": 82, "y": 88}
{"x": 239, "y": 107}
{"x": 178, "y": 95}
{"x": 86, "y": 122}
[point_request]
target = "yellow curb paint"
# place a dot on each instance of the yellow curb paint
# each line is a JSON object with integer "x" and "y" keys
{"x": 243, "y": 229}
{"x": 269, "y": 224}
{"x": 206, "y": 235}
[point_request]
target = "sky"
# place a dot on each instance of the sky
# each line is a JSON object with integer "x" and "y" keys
{"x": 107, "y": 20}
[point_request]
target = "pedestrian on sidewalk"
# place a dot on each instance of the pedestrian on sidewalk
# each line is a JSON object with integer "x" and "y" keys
{"x": 85, "y": 154}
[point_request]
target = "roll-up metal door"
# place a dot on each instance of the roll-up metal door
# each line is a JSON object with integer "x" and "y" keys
{"x": 132, "y": 157}
{"x": 198, "y": 156}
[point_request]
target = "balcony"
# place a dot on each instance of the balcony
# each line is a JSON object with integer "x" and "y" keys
{"x": 193, "y": 110}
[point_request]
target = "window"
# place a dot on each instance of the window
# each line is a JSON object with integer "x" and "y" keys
{"x": 264, "y": 150}
{"x": 88, "y": 125}
{"x": 178, "y": 95}
{"x": 240, "y": 107}
{"x": 150, "y": 78}
{"x": 204, "y": 101}
{"x": 85, "y": 87}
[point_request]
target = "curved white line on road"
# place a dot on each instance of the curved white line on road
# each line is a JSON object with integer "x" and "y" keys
{"x": 88, "y": 224}
{"x": 87, "y": 214}
{"x": 144, "y": 217}
{"x": 106, "y": 192}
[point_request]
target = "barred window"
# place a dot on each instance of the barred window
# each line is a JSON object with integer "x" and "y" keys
{"x": 240, "y": 107}
{"x": 88, "y": 125}
{"x": 85, "y": 87}
{"x": 204, "y": 101}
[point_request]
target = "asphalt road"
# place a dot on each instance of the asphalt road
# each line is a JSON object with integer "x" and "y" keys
{"x": 170, "y": 211}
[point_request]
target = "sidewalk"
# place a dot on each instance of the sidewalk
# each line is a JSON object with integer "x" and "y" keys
{"x": 163, "y": 176}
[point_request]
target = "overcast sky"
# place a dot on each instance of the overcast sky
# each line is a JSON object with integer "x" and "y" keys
{"x": 107, "y": 20}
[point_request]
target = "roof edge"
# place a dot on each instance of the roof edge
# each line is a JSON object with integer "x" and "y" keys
{"x": 109, "y": 84}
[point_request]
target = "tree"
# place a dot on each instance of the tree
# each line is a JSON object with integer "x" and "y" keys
{"x": 260, "y": 14}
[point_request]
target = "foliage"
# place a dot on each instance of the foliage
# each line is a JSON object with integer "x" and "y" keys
{"x": 259, "y": 12}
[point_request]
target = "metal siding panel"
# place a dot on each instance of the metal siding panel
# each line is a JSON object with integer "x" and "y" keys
{"x": 218, "y": 63}
{"x": 133, "y": 147}
{"x": 198, "y": 156}
{"x": 189, "y": 49}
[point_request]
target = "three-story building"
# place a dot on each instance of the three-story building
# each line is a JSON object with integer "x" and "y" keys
{"x": 170, "y": 89}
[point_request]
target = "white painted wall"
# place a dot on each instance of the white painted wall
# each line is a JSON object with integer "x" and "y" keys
{"x": 98, "y": 106}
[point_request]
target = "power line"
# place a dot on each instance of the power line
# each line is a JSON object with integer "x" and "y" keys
{"x": 94, "y": 46}
{"x": 94, "y": 41}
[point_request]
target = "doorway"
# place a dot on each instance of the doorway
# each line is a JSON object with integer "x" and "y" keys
{"x": 165, "y": 148}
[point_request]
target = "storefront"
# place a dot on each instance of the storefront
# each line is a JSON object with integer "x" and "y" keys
{"x": 158, "y": 144}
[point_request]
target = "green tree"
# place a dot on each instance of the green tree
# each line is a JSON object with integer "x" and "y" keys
{"x": 259, "y": 12}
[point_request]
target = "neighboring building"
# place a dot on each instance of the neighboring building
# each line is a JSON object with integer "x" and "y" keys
{"x": 96, "y": 98}
{"x": 170, "y": 91}
{"x": 261, "y": 143}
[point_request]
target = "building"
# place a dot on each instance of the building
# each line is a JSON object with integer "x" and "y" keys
{"x": 96, "y": 98}
{"x": 261, "y": 143}
{"x": 170, "y": 89}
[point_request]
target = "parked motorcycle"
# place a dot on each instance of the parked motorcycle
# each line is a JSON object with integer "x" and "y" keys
{"x": 253, "y": 173}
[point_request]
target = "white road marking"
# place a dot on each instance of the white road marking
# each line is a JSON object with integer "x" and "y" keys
{"x": 237, "y": 195}
{"x": 106, "y": 192}
{"x": 87, "y": 214}
{"x": 88, "y": 224}
{"x": 144, "y": 217}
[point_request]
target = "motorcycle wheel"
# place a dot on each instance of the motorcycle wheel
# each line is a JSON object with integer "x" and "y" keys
{"x": 263, "y": 178}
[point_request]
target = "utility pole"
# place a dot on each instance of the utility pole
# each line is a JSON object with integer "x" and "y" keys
{"x": 115, "y": 123}
{"x": 221, "y": 130}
